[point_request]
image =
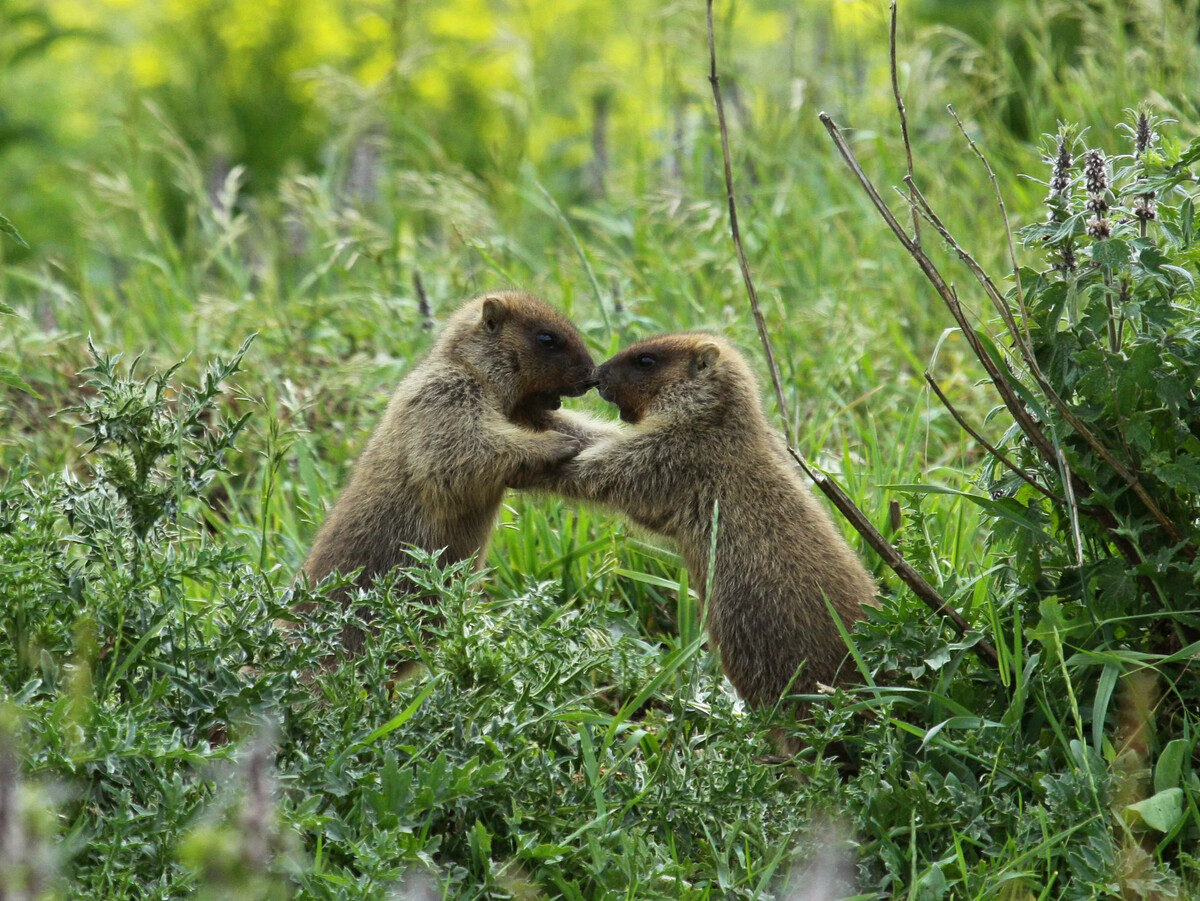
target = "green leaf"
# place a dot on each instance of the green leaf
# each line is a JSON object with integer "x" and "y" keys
{"x": 7, "y": 228}
{"x": 1169, "y": 769}
{"x": 1173, "y": 392}
{"x": 1182, "y": 475}
{"x": 1057, "y": 621}
{"x": 1005, "y": 508}
{"x": 10, "y": 378}
{"x": 1104, "y": 690}
{"x": 1113, "y": 253}
{"x": 546, "y": 851}
{"x": 480, "y": 841}
{"x": 1160, "y": 812}
{"x": 932, "y": 885}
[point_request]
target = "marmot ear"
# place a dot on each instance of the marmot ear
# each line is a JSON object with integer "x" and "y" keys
{"x": 704, "y": 357}
{"x": 494, "y": 313}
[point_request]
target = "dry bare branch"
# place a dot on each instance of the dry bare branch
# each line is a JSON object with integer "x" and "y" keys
{"x": 903, "y": 118}
{"x": 891, "y": 556}
{"x": 1012, "y": 250}
{"x": 759, "y": 322}
{"x": 1000, "y": 380}
{"x": 991, "y": 449}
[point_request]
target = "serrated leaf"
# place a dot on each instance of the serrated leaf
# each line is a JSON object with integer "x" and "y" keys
{"x": 546, "y": 851}
{"x": 1182, "y": 475}
{"x": 1160, "y": 812}
{"x": 1181, "y": 272}
{"x": 1113, "y": 253}
{"x": 932, "y": 885}
{"x": 938, "y": 659}
{"x": 1172, "y": 391}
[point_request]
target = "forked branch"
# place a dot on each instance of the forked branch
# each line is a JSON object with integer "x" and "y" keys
{"x": 990, "y": 448}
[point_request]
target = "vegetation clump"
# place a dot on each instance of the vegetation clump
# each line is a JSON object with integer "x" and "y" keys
{"x": 559, "y": 726}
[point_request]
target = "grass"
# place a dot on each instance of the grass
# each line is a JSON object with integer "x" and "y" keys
{"x": 567, "y": 733}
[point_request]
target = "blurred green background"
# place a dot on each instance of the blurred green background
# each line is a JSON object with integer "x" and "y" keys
{"x": 335, "y": 176}
{"x": 597, "y": 97}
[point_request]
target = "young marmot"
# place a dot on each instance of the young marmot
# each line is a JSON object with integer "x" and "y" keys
{"x": 458, "y": 431}
{"x": 700, "y": 438}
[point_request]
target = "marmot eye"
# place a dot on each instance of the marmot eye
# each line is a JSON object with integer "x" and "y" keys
{"x": 547, "y": 340}
{"x": 645, "y": 361}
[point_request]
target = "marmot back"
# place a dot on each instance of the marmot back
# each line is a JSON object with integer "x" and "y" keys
{"x": 435, "y": 469}
{"x": 699, "y": 438}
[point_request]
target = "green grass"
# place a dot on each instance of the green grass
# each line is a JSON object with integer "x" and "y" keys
{"x": 566, "y": 731}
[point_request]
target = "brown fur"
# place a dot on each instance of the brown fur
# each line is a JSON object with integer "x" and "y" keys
{"x": 435, "y": 469}
{"x": 699, "y": 436}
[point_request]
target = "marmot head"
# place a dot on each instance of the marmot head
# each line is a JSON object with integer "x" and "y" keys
{"x": 687, "y": 376}
{"x": 528, "y": 353}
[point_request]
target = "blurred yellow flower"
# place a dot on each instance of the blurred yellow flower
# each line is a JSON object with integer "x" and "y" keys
{"x": 856, "y": 16}
{"x": 148, "y": 67}
{"x": 465, "y": 20}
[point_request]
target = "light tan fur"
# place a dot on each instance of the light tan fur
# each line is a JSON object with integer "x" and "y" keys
{"x": 699, "y": 437}
{"x": 435, "y": 469}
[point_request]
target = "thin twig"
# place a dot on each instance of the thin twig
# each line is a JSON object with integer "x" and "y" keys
{"x": 999, "y": 380}
{"x": 759, "y": 322}
{"x": 1012, "y": 250}
{"x": 587, "y": 266}
{"x": 892, "y": 557}
{"x": 422, "y": 300}
{"x": 991, "y": 449}
{"x": 887, "y": 552}
{"x": 1072, "y": 507}
{"x": 903, "y": 120}
{"x": 985, "y": 280}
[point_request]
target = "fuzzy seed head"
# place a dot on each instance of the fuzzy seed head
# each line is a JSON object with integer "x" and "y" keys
{"x": 1094, "y": 172}
{"x": 1060, "y": 180}
{"x": 1144, "y": 135}
{"x": 1097, "y": 204}
{"x": 1099, "y": 228}
{"x": 1066, "y": 260}
{"x": 1144, "y": 208}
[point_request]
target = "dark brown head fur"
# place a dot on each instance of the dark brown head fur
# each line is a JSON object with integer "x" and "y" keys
{"x": 525, "y": 350}
{"x": 678, "y": 376}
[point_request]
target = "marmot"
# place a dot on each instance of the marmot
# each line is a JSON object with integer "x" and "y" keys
{"x": 458, "y": 430}
{"x": 699, "y": 437}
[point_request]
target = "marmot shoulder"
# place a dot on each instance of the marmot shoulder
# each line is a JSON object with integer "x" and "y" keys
{"x": 458, "y": 430}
